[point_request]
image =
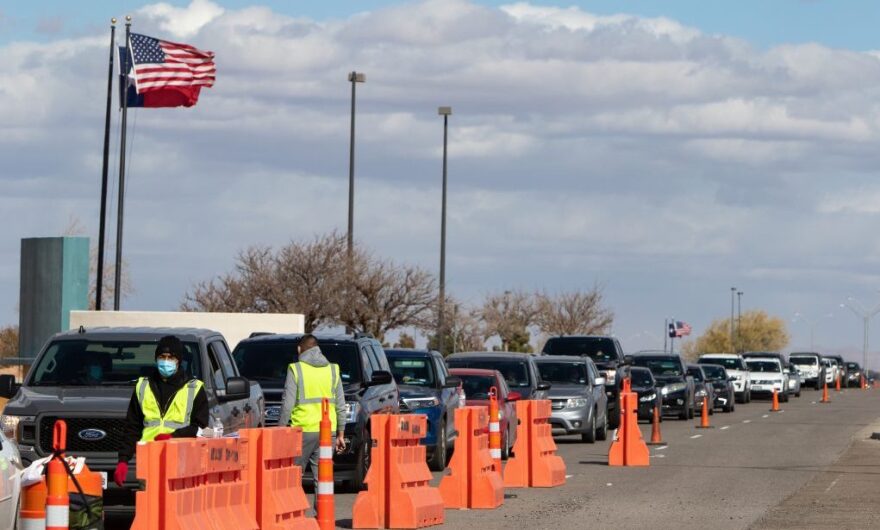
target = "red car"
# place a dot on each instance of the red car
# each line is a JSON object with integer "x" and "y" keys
{"x": 476, "y": 384}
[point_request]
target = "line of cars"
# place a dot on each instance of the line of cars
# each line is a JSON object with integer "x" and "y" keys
{"x": 581, "y": 376}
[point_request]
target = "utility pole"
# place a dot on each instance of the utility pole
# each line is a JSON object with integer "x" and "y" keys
{"x": 732, "y": 293}
{"x": 866, "y": 314}
{"x": 739, "y": 317}
{"x": 441, "y": 323}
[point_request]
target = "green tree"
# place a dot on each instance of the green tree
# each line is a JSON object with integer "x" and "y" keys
{"x": 405, "y": 341}
{"x": 756, "y": 331}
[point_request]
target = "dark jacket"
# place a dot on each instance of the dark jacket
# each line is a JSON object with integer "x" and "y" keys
{"x": 164, "y": 390}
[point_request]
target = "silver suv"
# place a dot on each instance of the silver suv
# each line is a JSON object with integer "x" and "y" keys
{"x": 577, "y": 395}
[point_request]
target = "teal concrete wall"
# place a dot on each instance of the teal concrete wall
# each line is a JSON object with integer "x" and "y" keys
{"x": 54, "y": 281}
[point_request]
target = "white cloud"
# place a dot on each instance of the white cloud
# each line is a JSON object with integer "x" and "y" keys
{"x": 183, "y": 22}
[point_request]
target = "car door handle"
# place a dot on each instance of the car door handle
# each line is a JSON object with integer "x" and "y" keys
{"x": 381, "y": 399}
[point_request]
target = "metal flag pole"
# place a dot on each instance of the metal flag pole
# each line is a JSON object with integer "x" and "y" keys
{"x": 117, "y": 280}
{"x": 102, "y": 223}
{"x": 666, "y": 335}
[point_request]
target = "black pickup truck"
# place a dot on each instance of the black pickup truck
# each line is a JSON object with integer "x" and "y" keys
{"x": 59, "y": 386}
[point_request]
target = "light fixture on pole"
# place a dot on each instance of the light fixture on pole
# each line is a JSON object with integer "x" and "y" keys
{"x": 799, "y": 317}
{"x": 441, "y": 323}
{"x": 866, "y": 314}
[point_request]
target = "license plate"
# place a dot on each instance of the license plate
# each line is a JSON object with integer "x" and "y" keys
{"x": 758, "y": 387}
{"x": 103, "y": 479}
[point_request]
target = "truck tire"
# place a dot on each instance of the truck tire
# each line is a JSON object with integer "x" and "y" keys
{"x": 505, "y": 446}
{"x": 358, "y": 483}
{"x": 602, "y": 433}
{"x": 684, "y": 414}
{"x": 438, "y": 457}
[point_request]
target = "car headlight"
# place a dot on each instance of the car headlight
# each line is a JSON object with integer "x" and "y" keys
{"x": 421, "y": 403}
{"x": 352, "y": 409}
{"x": 701, "y": 393}
{"x": 673, "y": 388}
{"x": 9, "y": 426}
{"x": 575, "y": 403}
{"x": 649, "y": 397}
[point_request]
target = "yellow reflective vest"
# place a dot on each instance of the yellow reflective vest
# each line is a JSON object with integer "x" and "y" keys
{"x": 176, "y": 416}
{"x": 313, "y": 384}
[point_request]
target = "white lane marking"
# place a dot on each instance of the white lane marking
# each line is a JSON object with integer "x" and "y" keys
{"x": 833, "y": 483}
{"x": 658, "y": 456}
{"x": 608, "y": 484}
{"x": 568, "y": 476}
{"x": 694, "y": 437}
{"x": 661, "y": 448}
{"x": 747, "y": 421}
{"x": 725, "y": 427}
{"x": 765, "y": 416}
{"x": 812, "y": 402}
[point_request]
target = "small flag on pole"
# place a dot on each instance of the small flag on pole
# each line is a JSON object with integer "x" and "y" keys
{"x": 165, "y": 74}
{"x": 682, "y": 329}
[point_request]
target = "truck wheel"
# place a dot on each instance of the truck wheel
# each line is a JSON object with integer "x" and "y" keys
{"x": 590, "y": 436}
{"x": 362, "y": 465}
{"x": 684, "y": 414}
{"x": 505, "y": 446}
{"x": 438, "y": 458}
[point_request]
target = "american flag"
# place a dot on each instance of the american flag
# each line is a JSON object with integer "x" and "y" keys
{"x": 682, "y": 329}
{"x": 161, "y": 64}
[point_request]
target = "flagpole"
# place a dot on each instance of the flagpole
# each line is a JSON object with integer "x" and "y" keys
{"x": 665, "y": 335}
{"x": 99, "y": 273}
{"x": 117, "y": 283}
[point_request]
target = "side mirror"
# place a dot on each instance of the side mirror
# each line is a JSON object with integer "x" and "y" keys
{"x": 381, "y": 377}
{"x": 600, "y": 381}
{"x": 452, "y": 382}
{"x": 8, "y": 387}
{"x": 514, "y": 396}
{"x": 627, "y": 360}
{"x": 543, "y": 385}
{"x": 237, "y": 388}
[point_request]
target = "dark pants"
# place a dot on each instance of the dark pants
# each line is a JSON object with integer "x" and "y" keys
{"x": 309, "y": 457}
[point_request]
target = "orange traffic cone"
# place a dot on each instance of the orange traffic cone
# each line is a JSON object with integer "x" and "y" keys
{"x": 704, "y": 415}
{"x": 837, "y": 383}
{"x": 775, "y": 407}
{"x": 656, "y": 438}
{"x": 325, "y": 504}
{"x": 825, "y": 398}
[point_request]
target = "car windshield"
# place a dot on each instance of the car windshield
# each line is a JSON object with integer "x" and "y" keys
{"x": 804, "y": 361}
{"x": 515, "y": 372}
{"x": 266, "y": 361}
{"x": 852, "y": 366}
{"x": 477, "y": 386}
{"x": 600, "y": 349}
{"x": 563, "y": 372}
{"x": 641, "y": 378}
{"x": 763, "y": 366}
{"x": 730, "y": 364}
{"x": 412, "y": 371}
{"x": 104, "y": 363}
{"x": 696, "y": 374}
{"x": 659, "y": 366}
{"x": 715, "y": 373}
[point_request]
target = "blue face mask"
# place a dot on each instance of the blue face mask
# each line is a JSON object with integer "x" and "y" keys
{"x": 166, "y": 368}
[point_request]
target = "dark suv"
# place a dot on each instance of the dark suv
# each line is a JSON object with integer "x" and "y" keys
{"x": 366, "y": 378}
{"x": 606, "y": 353}
{"x": 673, "y": 381}
{"x": 518, "y": 369}
{"x": 427, "y": 388}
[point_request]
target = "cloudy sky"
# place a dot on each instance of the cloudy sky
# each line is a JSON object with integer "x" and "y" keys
{"x": 667, "y": 150}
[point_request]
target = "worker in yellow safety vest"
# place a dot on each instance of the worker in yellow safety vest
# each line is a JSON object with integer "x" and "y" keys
{"x": 166, "y": 404}
{"x": 309, "y": 380}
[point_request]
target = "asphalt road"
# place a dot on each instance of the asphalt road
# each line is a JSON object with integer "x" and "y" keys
{"x": 754, "y": 468}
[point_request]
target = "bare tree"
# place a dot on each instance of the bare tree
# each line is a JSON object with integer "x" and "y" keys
{"x": 508, "y": 316}
{"x": 384, "y": 296}
{"x": 75, "y": 227}
{"x": 573, "y": 313}
{"x": 9, "y": 341}
{"x": 464, "y": 328}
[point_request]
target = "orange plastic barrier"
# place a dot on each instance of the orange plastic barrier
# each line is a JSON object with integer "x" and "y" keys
{"x": 188, "y": 483}
{"x": 398, "y": 494}
{"x": 472, "y": 481}
{"x": 33, "y": 506}
{"x": 534, "y": 463}
{"x": 278, "y": 501}
{"x": 628, "y": 449}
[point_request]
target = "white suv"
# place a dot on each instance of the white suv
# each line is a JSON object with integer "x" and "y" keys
{"x": 811, "y": 368}
{"x": 767, "y": 375}
{"x": 736, "y": 368}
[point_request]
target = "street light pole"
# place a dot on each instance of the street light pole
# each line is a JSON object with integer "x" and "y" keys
{"x": 739, "y": 317}
{"x": 441, "y": 331}
{"x": 354, "y": 78}
{"x": 812, "y": 323}
{"x": 859, "y": 310}
{"x": 732, "y": 293}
